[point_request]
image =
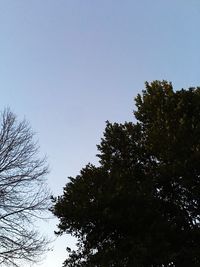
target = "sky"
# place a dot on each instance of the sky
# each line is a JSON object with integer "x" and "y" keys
{"x": 67, "y": 66}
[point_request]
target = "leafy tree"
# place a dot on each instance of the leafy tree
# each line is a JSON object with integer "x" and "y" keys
{"x": 23, "y": 193}
{"x": 141, "y": 206}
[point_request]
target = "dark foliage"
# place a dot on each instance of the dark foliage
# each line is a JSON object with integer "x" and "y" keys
{"x": 141, "y": 206}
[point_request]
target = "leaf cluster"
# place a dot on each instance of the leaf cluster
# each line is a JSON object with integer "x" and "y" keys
{"x": 141, "y": 206}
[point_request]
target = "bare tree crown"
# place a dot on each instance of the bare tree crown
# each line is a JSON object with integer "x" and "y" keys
{"x": 23, "y": 192}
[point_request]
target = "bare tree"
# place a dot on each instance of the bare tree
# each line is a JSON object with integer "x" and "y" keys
{"x": 23, "y": 193}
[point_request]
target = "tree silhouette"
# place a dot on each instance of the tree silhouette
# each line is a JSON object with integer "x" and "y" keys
{"x": 141, "y": 206}
{"x": 23, "y": 193}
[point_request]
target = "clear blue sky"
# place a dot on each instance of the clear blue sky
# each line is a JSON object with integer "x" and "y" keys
{"x": 70, "y": 65}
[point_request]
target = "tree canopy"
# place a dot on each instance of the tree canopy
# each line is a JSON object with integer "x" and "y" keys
{"x": 23, "y": 192}
{"x": 141, "y": 205}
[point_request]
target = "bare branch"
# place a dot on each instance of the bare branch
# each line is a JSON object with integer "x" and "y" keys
{"x": 23, "y": 192}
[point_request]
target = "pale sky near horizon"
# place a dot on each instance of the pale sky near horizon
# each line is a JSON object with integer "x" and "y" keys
{"x": 70, "y": 65}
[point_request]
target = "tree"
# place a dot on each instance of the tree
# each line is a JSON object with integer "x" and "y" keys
{"x": 141, "y": 205}
{"x": 23, "y": 193}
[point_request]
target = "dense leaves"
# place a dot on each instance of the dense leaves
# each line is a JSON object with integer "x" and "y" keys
{"x": 141, "y": 206}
